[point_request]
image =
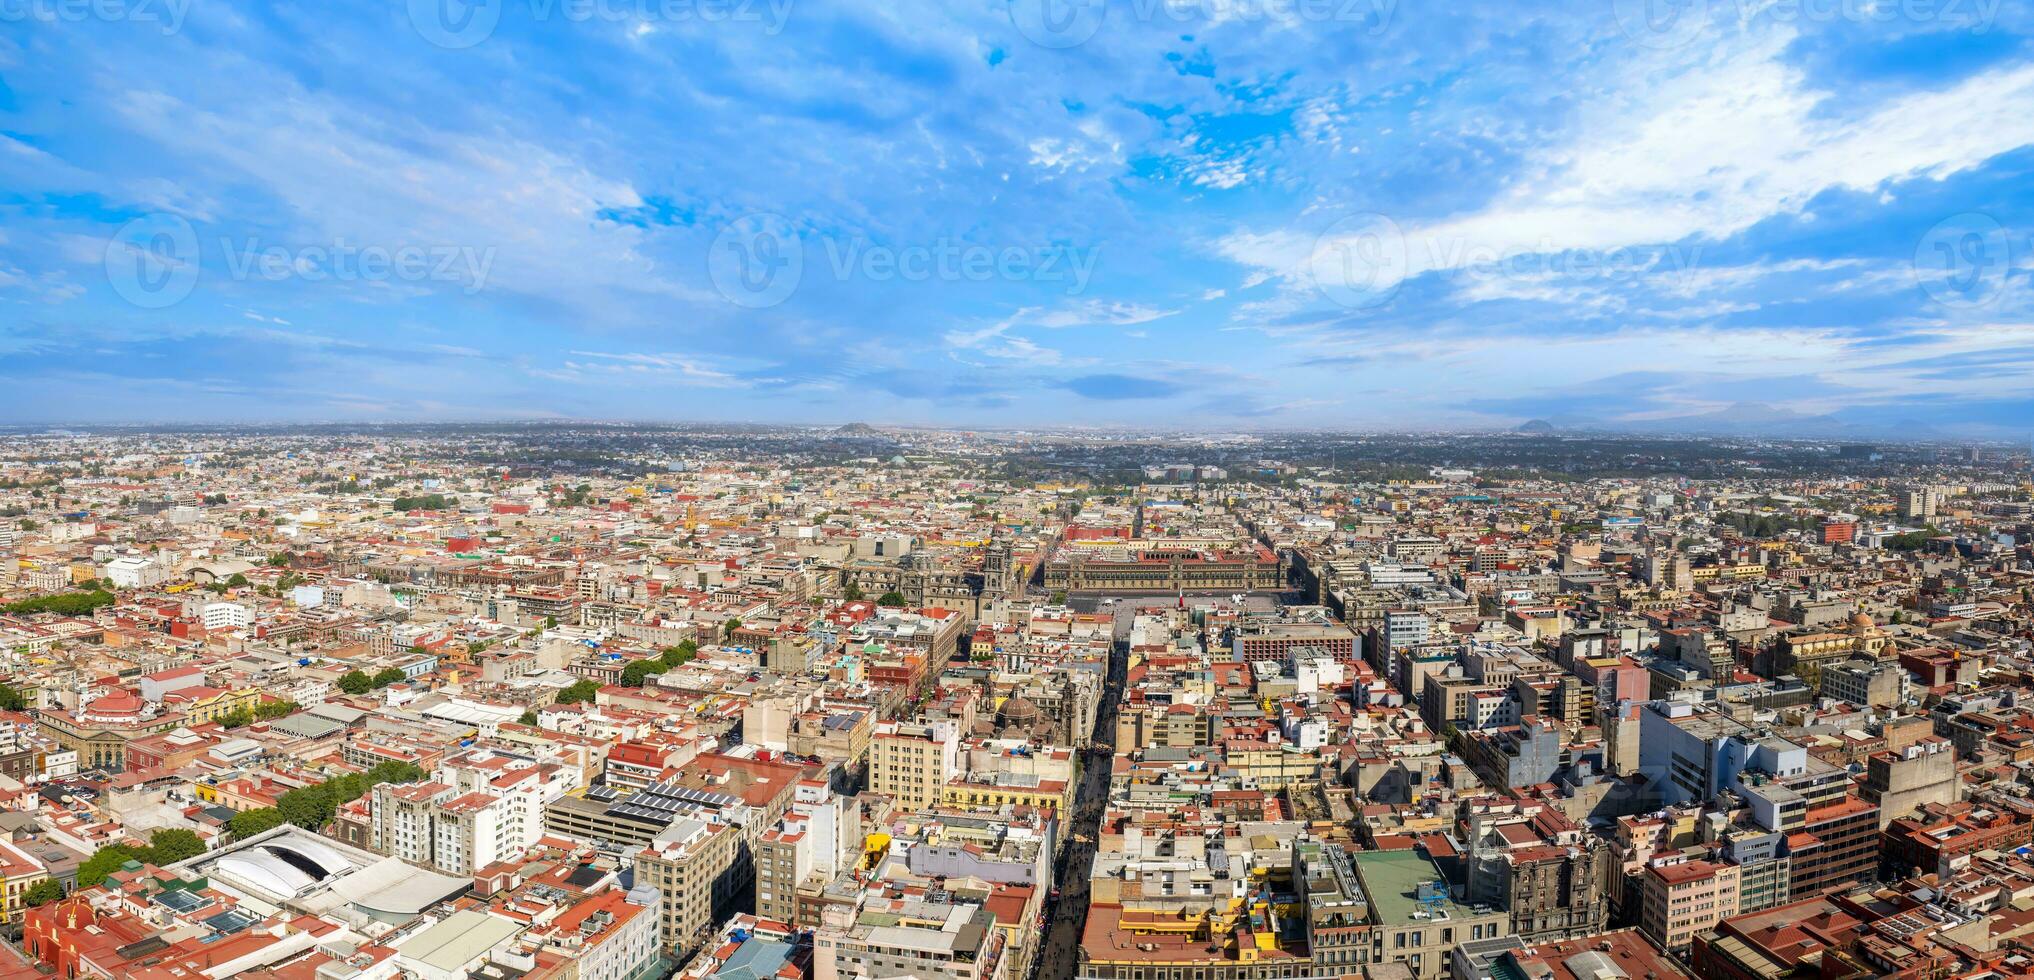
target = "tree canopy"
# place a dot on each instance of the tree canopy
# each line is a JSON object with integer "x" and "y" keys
{"x": 67, "y": 604}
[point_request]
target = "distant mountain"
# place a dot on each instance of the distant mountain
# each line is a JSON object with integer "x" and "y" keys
{"x": 857, "y": 430}
{"x": 1536, "y": 427}
{"x": 1757, "y": 419}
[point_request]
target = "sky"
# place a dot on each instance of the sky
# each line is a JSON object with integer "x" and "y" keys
{"x": 1221, "y": 214}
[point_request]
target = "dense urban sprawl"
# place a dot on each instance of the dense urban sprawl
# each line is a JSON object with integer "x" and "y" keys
{"x": 861, "y": 704}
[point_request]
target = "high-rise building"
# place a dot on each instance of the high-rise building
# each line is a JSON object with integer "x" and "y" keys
{"x": 476, "y": 809}
{"x": 911, "y": 763}
{"x": 698, "y": 866}
{"x": 1922, "y": 773}
{"x": 1684, "y": 898}
{"x": 813, "y": 842}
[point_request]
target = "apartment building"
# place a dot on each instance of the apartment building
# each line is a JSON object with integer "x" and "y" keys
{"x": 612, "y": 936}
{"x": 1681, "y": 899}
{"x": 922, "y": 939}
{"x": 702, "y": 869}
{"x": 475, "y": 810}
{"x": 912, "y": 763}
{"x": 816, "y": 840}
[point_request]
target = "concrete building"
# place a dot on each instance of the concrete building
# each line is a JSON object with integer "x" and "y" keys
{"x": 815, "y": 841}
{"x": 922, "y": 939}
{"x": 1681, "y": 899}
{"x": 1414, "y": 918}
{"x": 1918, "y": 774}
{"x": 1691, "y": 754}
{"x": 611, "y": 936}
{"x": 702, "y": 868}
{"x": 912, "y": 763}
{"x": 477, "y": 809}
{"x": 1867, "y": 683}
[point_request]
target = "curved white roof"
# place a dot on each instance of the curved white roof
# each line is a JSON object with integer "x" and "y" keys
{"x": 266, "y": 872}
{"x": 286, "y": 866}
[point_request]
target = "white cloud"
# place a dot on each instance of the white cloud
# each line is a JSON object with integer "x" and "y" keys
{"x": 1696, "y": 150}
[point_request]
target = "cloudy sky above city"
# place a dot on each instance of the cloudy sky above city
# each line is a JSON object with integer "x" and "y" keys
{"x": 1220, "y": 214}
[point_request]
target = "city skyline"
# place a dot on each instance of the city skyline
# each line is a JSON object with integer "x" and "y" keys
{"x": 1209, "y": 216}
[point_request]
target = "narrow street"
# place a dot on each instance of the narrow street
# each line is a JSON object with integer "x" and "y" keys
{"x": 1057, "y": 957}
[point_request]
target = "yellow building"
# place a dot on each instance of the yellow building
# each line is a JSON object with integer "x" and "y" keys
{"x": 911, "y": 763}
{"x": 1273, "y": 766}
{"x": 1804, "y": 655}
{"x": 211, "y": 703}
{"x": 1010, "y": 788}
{"x": 18, "y": 873}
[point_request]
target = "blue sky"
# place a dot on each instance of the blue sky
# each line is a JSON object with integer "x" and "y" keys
{"x": 1210, "y": 213}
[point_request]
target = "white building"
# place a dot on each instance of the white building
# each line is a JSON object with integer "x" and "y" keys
{"x": 135, "y": 572}
{"x": 478, "y": 809}
{"x": 610, "y": 936}
{"x": 225, "y": 615}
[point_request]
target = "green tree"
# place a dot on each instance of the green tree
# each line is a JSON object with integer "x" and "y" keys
{"x": 529, "y": 718}
{"x": 728, "y": 629}
{"x": 851, "y": 592}
{"x": 42, "y": 893}
{"x": 67, "y": 604}
{"x": 636, "y": 673}
{"x": 172, "y": 844}
{"x": 249, "y": 823}
{"x": 105, "y": 861}
{"x": 309, "y": 807}
{"x": 268, "y": 710}
{"x": 389, "y": 675}
{"x": 581, "y": 692}
{"x": 356, "y": 682}
{"x": 893, "y": 599}
{"x": 238, "y": 581}
{"x": 680, "y": 655}
{"x": 12, "y": 700}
